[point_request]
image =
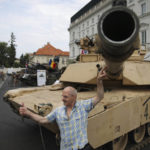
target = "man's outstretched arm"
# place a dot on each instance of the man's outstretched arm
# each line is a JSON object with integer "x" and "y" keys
{"x": 25, "y": 112}
{"x": 100, "y": 88}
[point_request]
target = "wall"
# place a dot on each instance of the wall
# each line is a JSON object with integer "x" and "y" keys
{"x": 144, "y": 17}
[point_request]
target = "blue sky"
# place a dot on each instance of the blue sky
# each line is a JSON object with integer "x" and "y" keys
{"x": 36, "y": 22}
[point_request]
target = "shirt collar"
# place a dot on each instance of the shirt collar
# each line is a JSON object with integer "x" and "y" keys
{"x": 75, "y": 106}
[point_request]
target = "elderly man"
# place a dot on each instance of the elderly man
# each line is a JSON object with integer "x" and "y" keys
{"x": 72, "y": 117}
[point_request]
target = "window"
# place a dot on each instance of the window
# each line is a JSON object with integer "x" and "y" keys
{"x": 92, "y": 20}
{"x": 83, "y": 34}
{"x": 73, "y": 35}
{"x": 87, "y": 23}
{"x": 144, "y": 37}
{"x": 79, "y": 35}
{"x": 98, "y": 17}
{"x": 87, "y": 32}
{"x": 73, "y": 52}
{"x": 83, "y": 25}
{"x": 130, "y": 1}
{"x": 143, "y": 8}
{"x": 92, "y": 30}
{"x": 63, "y": 61}
{"x": 79, "y": 28}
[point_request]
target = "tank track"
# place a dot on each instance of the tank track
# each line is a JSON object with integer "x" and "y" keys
{"x": 130, "y": 146}
{"x": 139, "y": 146}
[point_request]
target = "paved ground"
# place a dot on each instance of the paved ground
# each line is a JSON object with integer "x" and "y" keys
{"x": 18, "y": 135}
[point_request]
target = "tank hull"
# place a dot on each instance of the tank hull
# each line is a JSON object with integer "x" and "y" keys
{"x": 120, "y": 112}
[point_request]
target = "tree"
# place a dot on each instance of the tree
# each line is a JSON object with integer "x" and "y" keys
{"x": 24, "y": 59}
{"x": 8, "y": 53}
{"x": 3, "y": 53}
{"x": 12, "y": 50}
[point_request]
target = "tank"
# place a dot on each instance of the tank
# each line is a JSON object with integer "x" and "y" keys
{"x": 122, "y": 119}
{"x": 29, "y": 75}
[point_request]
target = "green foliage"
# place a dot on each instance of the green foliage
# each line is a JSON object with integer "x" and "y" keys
{"x": 3, "y": 54}
{"x": 12, "y": 50}
{"x": 8, "y": 52}
{"x": 16, "y": 65}
{"x": 24, "y": 59}
{"x": 78, "y": 58}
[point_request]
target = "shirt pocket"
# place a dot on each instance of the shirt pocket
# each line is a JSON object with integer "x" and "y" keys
{"x": 63, "y": 123}
{"x": 78, "y": 122}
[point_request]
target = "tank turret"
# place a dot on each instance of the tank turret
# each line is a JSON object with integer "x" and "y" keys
{"x": 117, "y": 38}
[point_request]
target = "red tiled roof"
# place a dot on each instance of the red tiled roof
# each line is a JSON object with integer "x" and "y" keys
{"x": 51, "y": 50}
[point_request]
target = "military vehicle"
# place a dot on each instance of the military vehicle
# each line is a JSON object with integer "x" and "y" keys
{"x": 124, "y": 113}
{"x": 29, "y": 75}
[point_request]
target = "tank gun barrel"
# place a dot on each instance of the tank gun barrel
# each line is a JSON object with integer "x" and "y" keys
{"x": 118, "y": 30}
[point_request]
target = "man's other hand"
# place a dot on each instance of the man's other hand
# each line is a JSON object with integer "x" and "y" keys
{"x": 102, "y": 74}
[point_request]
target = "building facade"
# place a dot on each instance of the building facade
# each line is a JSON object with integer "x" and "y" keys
{"x": 84, "y": 22}
{"x": 44, "y": 54}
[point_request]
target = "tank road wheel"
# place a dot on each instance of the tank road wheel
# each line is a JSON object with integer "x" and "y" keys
{"x": 120, "y": 143}
{"x": 148, "y": 129}
{"x": 138, "y": 134}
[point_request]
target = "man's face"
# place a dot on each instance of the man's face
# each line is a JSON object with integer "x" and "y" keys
{"x": 67, "y": 98}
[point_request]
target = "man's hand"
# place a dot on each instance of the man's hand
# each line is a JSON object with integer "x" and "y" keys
{"x": 24, "y": 111}
{"x": 102, "y": 74}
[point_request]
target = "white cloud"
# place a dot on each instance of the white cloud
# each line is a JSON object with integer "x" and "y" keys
{"x": 37, "y": 22}
{"x": 1, "y": 1}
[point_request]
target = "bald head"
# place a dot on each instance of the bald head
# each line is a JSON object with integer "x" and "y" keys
{"x": 69, "y": 96}
{"x": 72, "y": 91}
